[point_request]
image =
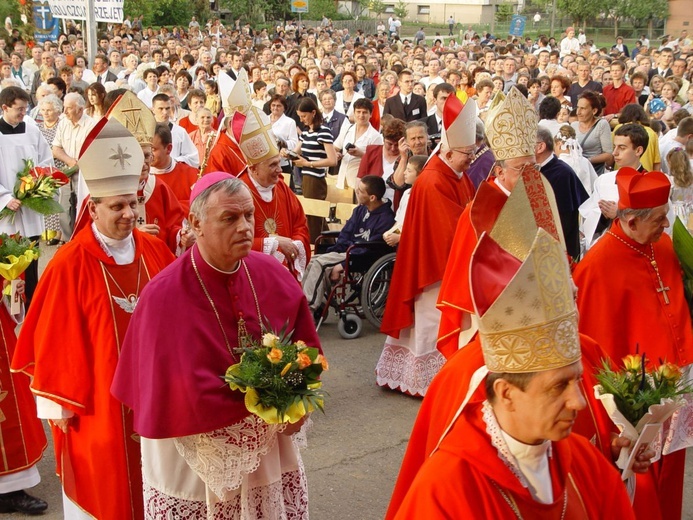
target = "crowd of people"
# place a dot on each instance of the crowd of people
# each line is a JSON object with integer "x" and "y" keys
{"x": 477, "y": 157}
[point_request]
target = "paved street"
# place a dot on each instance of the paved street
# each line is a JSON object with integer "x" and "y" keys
{"x": 354, "y": 449}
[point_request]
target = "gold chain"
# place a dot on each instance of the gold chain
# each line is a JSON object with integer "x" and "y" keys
{"x": 243, "y": 336}
{"x": 661, "y": 289}
{"x": 515, "y": 509}
{"x": 129, "y": 301}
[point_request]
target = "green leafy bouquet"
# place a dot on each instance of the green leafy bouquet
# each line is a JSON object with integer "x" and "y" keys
{"x": 683, "y": 246}
{"x": 280, "y": 378}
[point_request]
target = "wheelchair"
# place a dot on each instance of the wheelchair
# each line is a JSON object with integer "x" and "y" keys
{"x": 362, "y": 290}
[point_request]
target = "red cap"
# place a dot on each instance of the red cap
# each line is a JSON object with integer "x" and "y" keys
{"x": 206, "y": 181}
{"x": 641, "y": 190}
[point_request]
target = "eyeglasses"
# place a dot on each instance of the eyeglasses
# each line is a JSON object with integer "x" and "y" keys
{"x": 466, "y": 152}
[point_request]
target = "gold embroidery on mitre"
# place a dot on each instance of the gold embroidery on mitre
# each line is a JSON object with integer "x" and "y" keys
{"x": 544, "y": 335}
{"x": 134, "y": 115}
{"x": 258, "y": 142}
{"x": 512, "y": 129}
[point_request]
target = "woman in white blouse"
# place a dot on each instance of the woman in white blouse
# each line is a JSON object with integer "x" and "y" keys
{"x": 352, "y": 141}
{"x": 284, "y": 127}
{"x": 347, "y": 97}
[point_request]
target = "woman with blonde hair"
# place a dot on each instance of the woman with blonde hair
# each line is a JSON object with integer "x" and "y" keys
{"x": 682, "y": 189}
{"x": 568, "y": 150}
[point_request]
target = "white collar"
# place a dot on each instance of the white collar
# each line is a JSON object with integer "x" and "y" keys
{"x": 169, "y": 169}
{"x": 122, "y": 251}
{"x": 328, "y": 115}
{"x": 459, "y": 174}
{"x": 502, "y": 188}
{"x": 533, "y": 461}
{"x": 266, "y": 193}
{"x": 551, "y": 156}
{"x": 404, "y": 97}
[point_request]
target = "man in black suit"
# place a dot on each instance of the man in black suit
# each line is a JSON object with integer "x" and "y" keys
{"x": 567, "y": 188}
{"x": 406, "y": 106}
{"x": 101, "y": 71}
{"x": 434, "y": 123}
{"x": 664, "y": 61}
{"x": 236, "y": 65}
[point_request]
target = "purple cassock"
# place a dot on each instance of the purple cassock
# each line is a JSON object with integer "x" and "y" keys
{"x": 175, "y": 354}
{"x": 480, "y": 168}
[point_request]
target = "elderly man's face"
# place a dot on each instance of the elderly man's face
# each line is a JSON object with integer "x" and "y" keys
{"x": 649, "y": 230}
{"x": 546, "y": 409}
{"x": 267, "y": 172}
{"x": 225, "y": 236}
{"x": 73, "y": 111}
{"x": 510, "y": 173}
{"x": 417, "y": 139}
{"x": 115, "y": 216}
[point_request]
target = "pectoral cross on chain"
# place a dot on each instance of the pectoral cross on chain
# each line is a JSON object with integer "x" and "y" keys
{"x": 662, "y": 289}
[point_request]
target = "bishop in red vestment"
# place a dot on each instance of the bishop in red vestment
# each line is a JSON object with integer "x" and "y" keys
{"x": 631, "y": 297}
{"x": 98, "y": 278}
{"x": 409, "y": 359}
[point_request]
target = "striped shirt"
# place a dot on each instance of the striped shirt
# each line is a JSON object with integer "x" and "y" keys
{"x": 313, "y": 149}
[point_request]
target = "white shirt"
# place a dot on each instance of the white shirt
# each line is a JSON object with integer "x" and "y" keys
{"x": 533, "y": 462}
{"x": 349, "y": 168}
{"x": 184, "y": 150}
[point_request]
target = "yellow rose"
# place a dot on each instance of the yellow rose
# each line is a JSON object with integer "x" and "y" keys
{"x": 270, "y": 340}
{"x": 632, "y": 362}
{"x": 670, "y": 371}
{"x": 275, "y": 355}
{"x": 303, "y": 360}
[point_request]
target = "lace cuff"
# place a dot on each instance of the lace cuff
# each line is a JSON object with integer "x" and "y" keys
{"x": 270, "y": 245}
{"x": 222, "y": 458}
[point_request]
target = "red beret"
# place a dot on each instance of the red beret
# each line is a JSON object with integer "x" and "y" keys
{"x": 641, "y": 190}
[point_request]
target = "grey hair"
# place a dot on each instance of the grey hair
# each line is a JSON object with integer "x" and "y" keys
{"x": 642, "y": 214}
{"x": 53, "y": 100}
{"x": 330, "y": 93}
{"x": 544, "y": 135}
{"x": 77, "y": 98}
{"x": 200, "y": 205}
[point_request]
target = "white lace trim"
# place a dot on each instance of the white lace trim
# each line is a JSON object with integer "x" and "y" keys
{"x": 494, "y": 431}
{"x": 222, "y": 458}
{"x": 398, "y": 367}
{"x": 282, "y": 500}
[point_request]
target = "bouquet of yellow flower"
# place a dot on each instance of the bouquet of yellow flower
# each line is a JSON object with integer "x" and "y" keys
{"x": 638, "y": 401}
{"x": 36, "y": 187}
{"x": 16, "y": 253}
{"x": 280, "y": 379}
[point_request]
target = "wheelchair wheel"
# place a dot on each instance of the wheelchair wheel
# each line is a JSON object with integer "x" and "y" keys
{"x": 350, "y": 326}
{"x": 376, "y": 285}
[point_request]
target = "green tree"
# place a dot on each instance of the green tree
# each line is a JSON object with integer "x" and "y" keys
{"x": 401, "y": 10}
{"x": 504, "y": 12}
{"x": 583, "y": 11}
{"x": 172, "y": 12}
{"x": 376, "y": 7}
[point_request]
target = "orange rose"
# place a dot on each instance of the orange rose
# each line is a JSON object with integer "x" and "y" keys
{"x": 323, "y": 361}
{"x": 275, "y": 355}
{"x": 303, "y": 360}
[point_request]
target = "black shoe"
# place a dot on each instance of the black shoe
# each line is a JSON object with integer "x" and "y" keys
{"x": 21, "y": 502}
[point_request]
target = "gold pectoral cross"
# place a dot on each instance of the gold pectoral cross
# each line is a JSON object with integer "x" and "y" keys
{"x": 662, "y": 289}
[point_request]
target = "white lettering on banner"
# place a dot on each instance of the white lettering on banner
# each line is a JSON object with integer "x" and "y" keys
{"x": 105, "y": 11}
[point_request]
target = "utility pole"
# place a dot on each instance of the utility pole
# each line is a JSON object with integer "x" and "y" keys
{"x": 553, "y": 17}
{"x": 90, "y": 31}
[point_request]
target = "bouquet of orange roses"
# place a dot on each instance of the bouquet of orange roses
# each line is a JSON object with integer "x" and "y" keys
{"x": 280, "y": 378}
{"x": 36, "y": 187}
{"x": 639, "y": 400}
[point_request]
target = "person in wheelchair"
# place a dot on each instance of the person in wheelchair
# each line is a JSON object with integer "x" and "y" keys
{"x": 370, "y": 219}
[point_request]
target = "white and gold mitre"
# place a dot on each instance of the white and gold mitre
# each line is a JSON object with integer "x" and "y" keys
{"x": 134, "y": 115}
{"x": 111, "y": 160}
{"x": 251, "y": 127}
{"x": 527, "y": 315}
{"x": 511, "y": 126}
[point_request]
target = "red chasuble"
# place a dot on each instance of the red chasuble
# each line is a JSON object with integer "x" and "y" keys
{"x": 22, "y": 439}
{"x": 286, "y": 211}
{"x": 466, "y": 478}
{"x": 225, "y": 156}
{"x": 180, "y": 180}
{"x": 98, "y": 460}
{"x": 437, "y": 200}
{"x": 448, "y": 390}
{"x": 455, "y": 298}
{"x": 171, "y": 376}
